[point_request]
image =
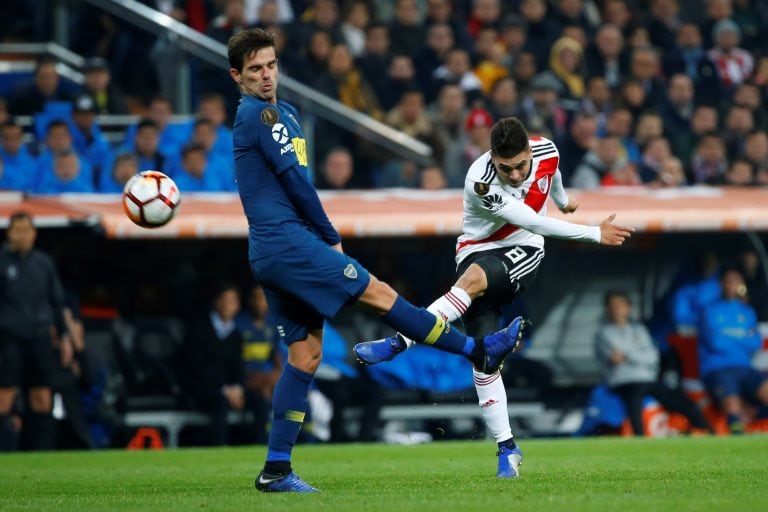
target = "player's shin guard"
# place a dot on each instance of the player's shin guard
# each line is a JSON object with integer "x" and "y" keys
{"x": 493, "y": 403}
{"x": 289, "y": 408}
{"x": 424, "y": 327}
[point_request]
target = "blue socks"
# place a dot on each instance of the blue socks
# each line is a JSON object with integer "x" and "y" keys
{"x": 423, "y": 327}
{"x": 289, "y": 403}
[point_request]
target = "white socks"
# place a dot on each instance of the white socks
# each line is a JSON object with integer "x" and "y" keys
{"x": 493, "y": 402}
{"x": 450, "y": 307}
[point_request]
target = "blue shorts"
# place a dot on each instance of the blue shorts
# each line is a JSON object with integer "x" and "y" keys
{"x": 307, "y": 281}
{"x": 726, "y": 382}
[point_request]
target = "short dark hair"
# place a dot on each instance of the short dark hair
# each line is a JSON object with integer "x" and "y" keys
{"x": 18, "y": 216}
{"x": 508, "y": 137}
{"x": 616, "y": 294}
{"x": 147, "y": 123}
{"x": 246, "y": 42}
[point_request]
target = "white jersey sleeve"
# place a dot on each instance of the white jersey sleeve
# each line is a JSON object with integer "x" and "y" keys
{"x": 522, "y": 215}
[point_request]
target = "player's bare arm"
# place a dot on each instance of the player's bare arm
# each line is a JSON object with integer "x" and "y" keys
{"x": 612, "y": 234}
{"x": 571, "y": 206}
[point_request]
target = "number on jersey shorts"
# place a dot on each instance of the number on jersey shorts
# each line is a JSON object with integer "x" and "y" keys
{"x": 509, "y": 270}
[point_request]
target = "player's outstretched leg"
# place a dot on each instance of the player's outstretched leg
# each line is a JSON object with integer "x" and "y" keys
{"x": 288, "y": 483}
{"x": 378, "y": 351}
{"x": 500, "y": 344}
{"x": 509, "y": 462}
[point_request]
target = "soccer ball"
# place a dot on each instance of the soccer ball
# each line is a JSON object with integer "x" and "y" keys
{"x": 150, "y": 199}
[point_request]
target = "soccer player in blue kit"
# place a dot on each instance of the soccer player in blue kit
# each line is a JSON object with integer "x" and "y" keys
{"x": 296, "y": 255}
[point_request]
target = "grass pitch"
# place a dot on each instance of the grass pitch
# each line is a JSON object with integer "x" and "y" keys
{"x": 683, "y": 474}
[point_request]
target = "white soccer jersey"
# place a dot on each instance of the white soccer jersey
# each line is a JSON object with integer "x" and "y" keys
{"x": 500, "y": 215}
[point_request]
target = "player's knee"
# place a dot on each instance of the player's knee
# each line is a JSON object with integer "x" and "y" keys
{"x": 40, "y": 399}
{"x": 473, "y": 281}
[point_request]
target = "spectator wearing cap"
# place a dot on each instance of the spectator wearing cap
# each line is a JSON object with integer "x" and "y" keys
{"x": 18, "y": 164}
{"x": 734, "y": 65}
{"x": 30, "y": 97}
{"x": 87, "y": 138}
{"x": 99, "y": 85}
{"x": 541, "y": 111}
{"x": 476, "y": 141}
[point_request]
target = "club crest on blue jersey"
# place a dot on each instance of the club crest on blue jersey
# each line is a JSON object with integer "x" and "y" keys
{"x": 280, "y": 133}
{"x": 350, "y": 271}
{"x": 269, "y": 116}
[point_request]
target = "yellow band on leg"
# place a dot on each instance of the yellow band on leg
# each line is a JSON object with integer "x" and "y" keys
{"x": 437, "y": 330}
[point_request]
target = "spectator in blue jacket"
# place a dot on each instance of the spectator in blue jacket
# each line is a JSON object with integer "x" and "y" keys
{"x": 19, "y": 165}
{"x": 145, "y": 145}
{"x": 87, "y": 138}
{"x": 196, "y": 173}
{"x": 728, "y": 339}
{"x": 120, "y": 170}
{"x": 68, "y": 173}
{"x": 220, "y": 161}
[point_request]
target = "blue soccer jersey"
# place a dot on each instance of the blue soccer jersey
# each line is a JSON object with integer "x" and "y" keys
{"x": 290, "y": 238}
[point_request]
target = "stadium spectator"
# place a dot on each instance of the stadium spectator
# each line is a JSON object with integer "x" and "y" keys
{"x": 445, "y": 12}
{"x": 599, "y": 162}
{"x": 749, "y": 95}
{"x": 357, "y": 16}
{"x": 503, "y": 100}
{"x": 689, "y": 57}
{"x": 541, "y": 110}
{"x": 625, "y": 176}
{"x": 566, "y": 63}
{"x": 645, "y": 68}
{"x": 455, "y": 69}
{"x": 146, "y": 148}
{"x": 738, "y": 124}
{"x": 406, "y": 30}
{"x": 87, "y": 138}
{"x": 400, "y": 78}
{"x": 699, "y": 284}
{"x": 349, "y": 84}
{"x": 734, "y": 64}
{"x": 447, "y": 115}
{"x": 98, "y": 84}
{"x": 263, "y": 358}
{"x": 19, "y": 165}
{"x": 214, "y": 373}
{"x": 432, "y": 178}
{"x": 31, "y": 304}
{"x": 663, "y": 23}
{"x": 68, "y": 172}
{"x": 704, "y": 120}
{"x": 492, "y": 59}
{"x": 709, "y": 161}
{"x": 677, "y": 112}
{"x": 670, "y": 174}
{"x": 338, "y": 171}
{"x": 264, "y": 13}
{"x": 541, "y": 30}
{"x": 59, "y": 141}
{"x": 756, "y": 149}
{"x": 740, "y": 173}
{"x": 433, "y": 54}
{"x": 29, "y": 98}
{"x": 198, "y": 173}
{"x": 212, "y": 107}
{"x": 171, "y": 135}
{"x": 322, "y": 15}
{"x": 375, "y": 57}
{"x": 312, "y": 68}
{"x": 619, "y": 125}
{"x": 631, "y": 364}
{"x": 524, "y": 70}
{"x": 617, "y": 13}
{"x": 410, "y": 117}
{"x": 477, "y": 129}
{"x": 483, "y": 14}
{"x": 598, "y": 101}
{"x": 219, "y": 160}
{"x": 122, "y": 168}
{"x": 575, "y": 13}
{"x": 728, "y": 338}
{"x": 656, "y": 151}
{"x": 574, "y": 145}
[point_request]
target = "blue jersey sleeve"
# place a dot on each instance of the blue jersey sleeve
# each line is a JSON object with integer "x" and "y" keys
{"x": 304, "y": 197}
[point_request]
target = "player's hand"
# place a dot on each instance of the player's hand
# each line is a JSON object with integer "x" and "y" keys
{"x": 612, "y": 234}
{"x": 571, "y": 206}
{"x": 235, "y": 396}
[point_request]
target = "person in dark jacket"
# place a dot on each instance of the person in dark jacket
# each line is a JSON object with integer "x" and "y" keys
{"x": 31, "y": 304}
{"x": 214, "y": 369}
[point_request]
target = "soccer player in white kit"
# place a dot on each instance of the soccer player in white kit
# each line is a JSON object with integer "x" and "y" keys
{"x": 498, "y": 254}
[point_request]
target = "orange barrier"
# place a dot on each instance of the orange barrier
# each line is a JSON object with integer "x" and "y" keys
{"x": 401, "y": 212}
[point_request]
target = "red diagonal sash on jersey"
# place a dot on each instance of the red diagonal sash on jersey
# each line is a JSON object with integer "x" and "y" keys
{"x": 535, "y": 199}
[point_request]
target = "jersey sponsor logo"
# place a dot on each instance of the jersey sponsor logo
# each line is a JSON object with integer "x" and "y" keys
{"x": 280, "y": 133}
{"x": 300, "y": 146}
{"x": 493, "y": 202}
{"x": 482, "y": 188}
{"x": 269, "y": 116}
{"x": 287, "y": 148}
{"x": 543, "y": 184}
{"x": 350, "y": 271}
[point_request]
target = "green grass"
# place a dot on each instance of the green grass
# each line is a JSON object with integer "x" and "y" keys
{"x": 683, "y": 474}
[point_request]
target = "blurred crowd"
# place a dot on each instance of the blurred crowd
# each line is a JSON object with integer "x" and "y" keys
{"x": 661, "y": 93}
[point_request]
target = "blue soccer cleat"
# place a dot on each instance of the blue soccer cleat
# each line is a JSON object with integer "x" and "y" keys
{"x": 500, "y": 344}
{"x": 509, "y": 462}
{"x": 378, "y": 351}
{"x": 288, "y": 483}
